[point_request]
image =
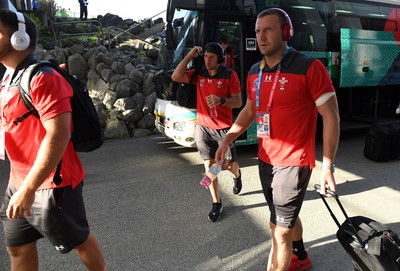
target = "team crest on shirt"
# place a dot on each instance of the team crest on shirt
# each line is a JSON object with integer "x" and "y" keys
{"x": 202, "y": 82}
{"x": 283, "y": 81}
{"x": 219, "y": 84}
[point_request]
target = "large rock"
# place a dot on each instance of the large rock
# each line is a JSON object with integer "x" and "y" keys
{"x": 112, "y": 20}
{"x": 77, "y": 65}
{"x": 116, "y": 129}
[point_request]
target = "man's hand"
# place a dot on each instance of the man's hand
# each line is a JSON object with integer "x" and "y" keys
{"x": 220, "y": 154}
{"x": 327, "y": 180}
{"x": 195, "y": 51}
{"x": 213, "y": 100}
{"x": 20, "y": 203}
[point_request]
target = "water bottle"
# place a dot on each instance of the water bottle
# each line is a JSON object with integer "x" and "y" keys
{"x": 210, "y": 176}
{"x": 213, "y": 112}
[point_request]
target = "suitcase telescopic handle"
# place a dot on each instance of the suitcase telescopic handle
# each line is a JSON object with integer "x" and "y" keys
{"x": 317, "y": 188}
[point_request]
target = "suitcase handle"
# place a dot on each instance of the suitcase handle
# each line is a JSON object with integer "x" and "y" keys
{"x": 317, "y": 188}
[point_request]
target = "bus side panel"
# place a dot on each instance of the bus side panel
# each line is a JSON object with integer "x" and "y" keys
{"x": 369, "y": 58}
{"x": 325, "y": 58}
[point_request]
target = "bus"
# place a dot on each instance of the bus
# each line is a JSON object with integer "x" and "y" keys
{"x": 358, "y": 42}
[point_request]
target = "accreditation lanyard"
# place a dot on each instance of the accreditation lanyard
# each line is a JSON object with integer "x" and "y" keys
{"x": 274, "y": 83}
{"x": 276, "y": 77}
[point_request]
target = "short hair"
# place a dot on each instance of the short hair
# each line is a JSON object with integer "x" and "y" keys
{"x": 272, "y": 11}
{"x": 286, "y": 23}
{"x": 9, "y": 20}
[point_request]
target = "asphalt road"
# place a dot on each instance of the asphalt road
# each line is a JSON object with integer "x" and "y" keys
{"x": 147, "y": 209}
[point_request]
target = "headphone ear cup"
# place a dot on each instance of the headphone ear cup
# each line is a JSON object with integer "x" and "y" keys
{"x": 20, "y": 40}
{"x": 285, "y": 32}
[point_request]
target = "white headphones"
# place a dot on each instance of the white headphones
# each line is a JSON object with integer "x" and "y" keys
{"x": 20, "y": 39}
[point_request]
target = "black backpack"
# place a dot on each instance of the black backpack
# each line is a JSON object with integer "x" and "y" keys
{"x": 87, "y": 132}
{"x": 186, "y": 94}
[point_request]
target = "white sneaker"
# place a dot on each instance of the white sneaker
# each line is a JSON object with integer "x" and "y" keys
{"x": 398, "y": 110}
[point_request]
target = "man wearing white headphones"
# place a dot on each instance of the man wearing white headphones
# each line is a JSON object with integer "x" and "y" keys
{"x": 286, "y": 91}
{"x": 35, "y": 204}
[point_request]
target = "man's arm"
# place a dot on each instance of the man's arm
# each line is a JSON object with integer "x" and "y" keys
{"x": 51, "y": 150}
{"x": 179, "y": 74}
{"x": 331, "y": 131}
{"x": 242, "y": 123}
{"x": 235, "y": 101}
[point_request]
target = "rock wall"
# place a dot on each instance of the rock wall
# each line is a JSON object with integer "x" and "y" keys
{"x": 120, "y": 83}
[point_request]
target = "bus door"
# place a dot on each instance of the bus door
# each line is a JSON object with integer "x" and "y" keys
{"x": 240, "y": 33}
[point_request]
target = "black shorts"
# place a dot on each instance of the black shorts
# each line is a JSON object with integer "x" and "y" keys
{"x": 284, "y": 189}
{"x": 208, "y": 140}
{"x": 57, "y": 214}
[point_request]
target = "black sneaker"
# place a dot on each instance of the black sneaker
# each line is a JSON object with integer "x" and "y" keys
{"x": 237, "y": 184}
{"x": 215, "y": 212}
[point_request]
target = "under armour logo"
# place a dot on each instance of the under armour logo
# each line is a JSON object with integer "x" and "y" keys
{"x": 59, "y": 248}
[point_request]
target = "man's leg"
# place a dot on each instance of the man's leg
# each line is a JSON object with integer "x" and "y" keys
{"x": 215, "y": 213}
{"x": 233, "y": 167}
{"x": 214, "y": 185}
{"x": 24, "y": 257}
{"x": 281, "y": 250}
{"x": 91, "y": 255}
{"x": 300, "y": 258}
{"x": 297, "y": 230}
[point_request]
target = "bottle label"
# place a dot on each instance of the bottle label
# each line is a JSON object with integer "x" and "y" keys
{"x": 214, "y": 170}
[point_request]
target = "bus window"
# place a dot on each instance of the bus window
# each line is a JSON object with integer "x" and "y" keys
{"x": 365, "y": 16}
{"x": 232, "y": 32}
{"x": 312, "y": 21}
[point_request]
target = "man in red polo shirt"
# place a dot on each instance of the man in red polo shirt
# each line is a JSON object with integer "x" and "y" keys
{"x": 44, "y": 195}
{"x": 286, "y": 91}
{"x": 218, "y": 88}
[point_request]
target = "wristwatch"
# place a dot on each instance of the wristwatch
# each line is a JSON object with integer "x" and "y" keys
{"x": 222, "y": 100}
{"x": 329, "y": 167}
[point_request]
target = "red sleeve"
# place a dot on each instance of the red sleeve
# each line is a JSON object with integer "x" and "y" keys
{"x": 319, "y": 81}
{"x": 189, "y": 74}
{"x": 51, "y": 95}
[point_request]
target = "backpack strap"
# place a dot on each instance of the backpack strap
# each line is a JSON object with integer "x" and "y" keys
{"x": 24, "y": 87}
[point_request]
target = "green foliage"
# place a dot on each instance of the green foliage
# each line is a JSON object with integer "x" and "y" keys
{"x": 35, "y": 19}
{"x": 142, "y": 54}
{"x": 61, "y": 12}
{"x": 87, "y": 41}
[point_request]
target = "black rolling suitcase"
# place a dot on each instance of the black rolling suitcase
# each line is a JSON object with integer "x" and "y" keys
{"x": 371, "y": 245}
